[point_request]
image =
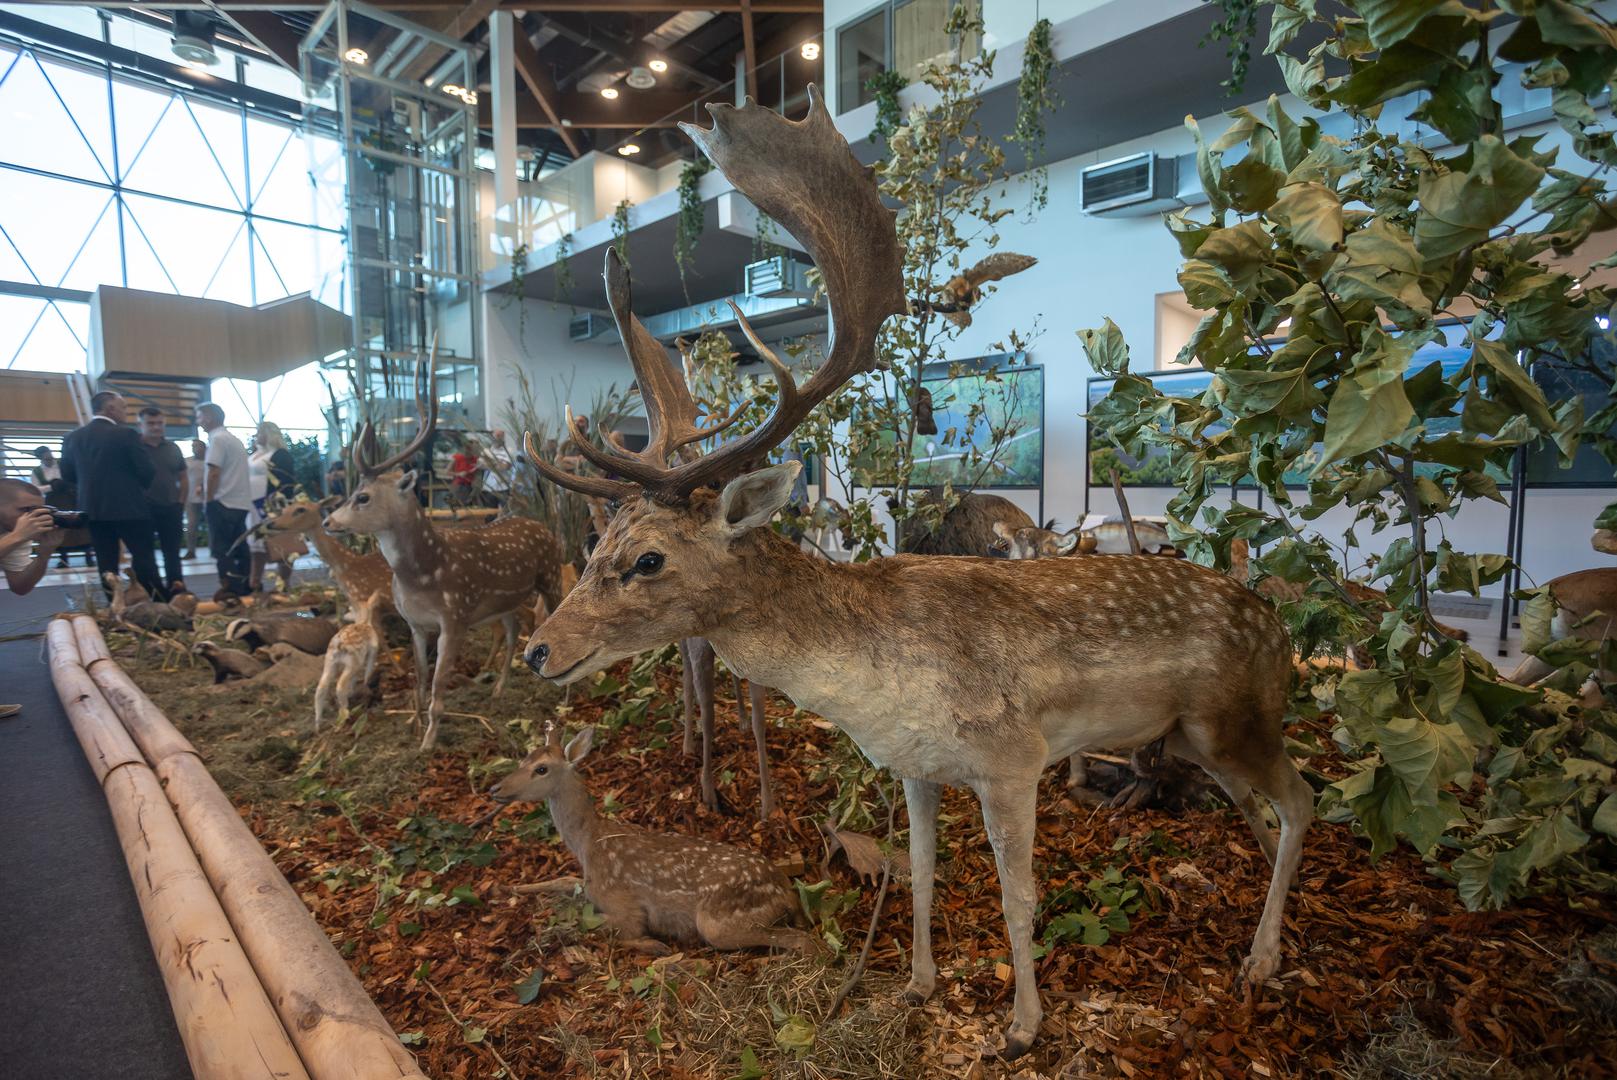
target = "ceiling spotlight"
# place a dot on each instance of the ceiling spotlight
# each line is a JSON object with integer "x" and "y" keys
{"x": 811, "y": 50}
{"x": 640, "y": 79}
{"x": 659, "y": 66}
{"x": 608, "y": 92}
{"x": 468, "y": 96}
{"x": 193, "y": 38}
{"x": 451, "y": 88}
{"x": 356, "y": 56}
{"x": 629, "y": 149}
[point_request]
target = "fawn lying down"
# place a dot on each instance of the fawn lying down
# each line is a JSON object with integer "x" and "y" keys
{"x": 649, "y": 884}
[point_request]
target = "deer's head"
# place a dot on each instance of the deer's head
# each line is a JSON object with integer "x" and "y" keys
{"x": 302, "y": 516}
{"x": 384, "y": 495}
{"x": 669, "y": 562}
{"x": 1031, "y": 542}
{"x": 540, "y": 775}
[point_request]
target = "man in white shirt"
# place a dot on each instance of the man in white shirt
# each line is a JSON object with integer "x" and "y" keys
{"x": 227, "y": 496}
{"x": 497, "y": 469}
{"x": 196, "y": 473}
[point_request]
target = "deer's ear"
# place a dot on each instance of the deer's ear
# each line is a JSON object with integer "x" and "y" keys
{"x": 578, "y": 747}
{"x": 751, "y": 500}
{"x": 1066, "y": 542}
{"x": 407, "y": 481}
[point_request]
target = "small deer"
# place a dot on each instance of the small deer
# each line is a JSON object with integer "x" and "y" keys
{"x": 350, "y": 659}
{"x": 1586, "y": 608}
{"x": 1032, "y": 542}
{"x": 652, "y": 885}
{"x": 446, "y": 582}
{"x": 357, "y": 575}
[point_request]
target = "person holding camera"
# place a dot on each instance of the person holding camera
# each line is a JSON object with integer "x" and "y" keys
{"x": 25, "y": 521}
{"x": 112, "y": 470}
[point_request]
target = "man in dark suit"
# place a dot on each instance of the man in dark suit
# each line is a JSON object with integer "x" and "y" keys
{"x": 112, "y": 470}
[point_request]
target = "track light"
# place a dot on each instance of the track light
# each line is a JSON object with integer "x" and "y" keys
{"x": 659, "y": 66}
{"x": 469, "y": 96}
{"x": 451, "y": 88}
{"x": 811, "y": 50}
{"x": 629, "y": 149}
{"x": 608, "y": 92}
{"x": 356, "y": 55}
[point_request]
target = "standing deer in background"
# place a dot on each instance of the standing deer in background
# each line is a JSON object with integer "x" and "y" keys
{"x": 651, "y": 885}
{"x": 970, "y": 672}
{"x": 446, "y": 582}
{"x": 357, "y": 575}
{"x": 350, "y": 660}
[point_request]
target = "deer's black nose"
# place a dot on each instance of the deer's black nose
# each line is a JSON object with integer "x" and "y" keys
{"x": 536, "y": 657}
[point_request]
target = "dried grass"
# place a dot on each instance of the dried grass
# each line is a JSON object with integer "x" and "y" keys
{"x": 1408, "y": 1050}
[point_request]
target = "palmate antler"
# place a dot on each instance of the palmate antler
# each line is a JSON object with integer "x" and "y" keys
{"x": 426, "y": 406}
{"x": 801, "y": 174}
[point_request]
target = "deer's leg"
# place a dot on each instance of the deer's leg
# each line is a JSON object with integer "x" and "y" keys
{"x": 921, "y": 798}
{"x": 687, "y": 687}
{"x": 448, "y": 648}
{"x": 1238, "y": 789}
{"x": 1009, "y": 813}
{"x": 322, "y": 692}
{"x": 702, "y": 672}
{"x": 345, "y": 689}
{"x": 741, "y": 701}
{"x": 766, "y": 792}
{"x": 422, "y": 644}
{"x": 723, "y": 934}
{"x": 630, "y": 926}
{"x": 1294, "y": 801}
{"x": 509, "y": 621}
{"x": 1078, "y": 782}
{"x": 1529, "y": 671}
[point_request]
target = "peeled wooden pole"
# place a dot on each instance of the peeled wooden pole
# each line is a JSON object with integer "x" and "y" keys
{"x": 228, "y": 1026}
{"x": 337, "y": 1028}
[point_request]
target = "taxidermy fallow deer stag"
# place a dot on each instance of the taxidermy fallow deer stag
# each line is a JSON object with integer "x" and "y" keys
{"x": 446, "y": 582}
{"x": 652, "y": 885}
{"x": 965, "y": 671}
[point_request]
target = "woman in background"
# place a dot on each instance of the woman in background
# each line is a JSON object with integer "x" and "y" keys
{"x": 270, "y": 474}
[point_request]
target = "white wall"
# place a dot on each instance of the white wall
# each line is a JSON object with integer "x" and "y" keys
{"x": 531, "y": 335}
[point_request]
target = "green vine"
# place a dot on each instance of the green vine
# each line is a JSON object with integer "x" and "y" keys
{"x": 688, "y": 226}
{"x": 884, "y": 89}
{"x": 564, "y": 270}
{"x": 620, "y": 230}
{"x": 519, "y": 277}
{"x": 1237, "y": 28}
{"x": 1035, "y": 96}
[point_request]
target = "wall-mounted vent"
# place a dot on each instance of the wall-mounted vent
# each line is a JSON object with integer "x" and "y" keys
{"x": 589, "y": 326}
{"x": 778, "y": 276}
{"x": 1138, "y": 184}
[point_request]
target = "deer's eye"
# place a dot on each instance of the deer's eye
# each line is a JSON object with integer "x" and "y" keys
{"x": 540, "y": 770}
{"x": 361, "y": 500}
{"x": 649, "y": 563}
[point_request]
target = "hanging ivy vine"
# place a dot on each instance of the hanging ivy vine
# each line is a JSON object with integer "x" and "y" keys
{"x": 620, "y": 230}
{"x": 1236, "y": 29}
{"x": 519, "y": 279}
{"x": 564, "y": 270}
{"x": 884, "y": 89}
{"x": 688, "y": 226}
{"x": 1035, "y": 96}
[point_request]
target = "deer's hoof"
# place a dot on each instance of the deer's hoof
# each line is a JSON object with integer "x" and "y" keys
{"x": 1017, "y": 1043}
{"x": 917, "y": 992}
{"x": 1257, "y": 970}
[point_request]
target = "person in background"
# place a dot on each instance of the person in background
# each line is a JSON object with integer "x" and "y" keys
{"x": 196, "y": 471}
{"x": 165, "y": 496}
{"x": 112, "y": 470}
{"x": 60, "y": 495}
{"x": 227, "y": 496}
{"x": 497, "y": 469}
{"x": 271, "y": 477}
{"x": 24, "y": 523}
{"x": 337, "y": 479}
{"x": 463, "y": 472}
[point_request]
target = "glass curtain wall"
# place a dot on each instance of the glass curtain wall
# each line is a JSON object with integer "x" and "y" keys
{"x": 901, "y": 35}
{"x": 110, "y": 177}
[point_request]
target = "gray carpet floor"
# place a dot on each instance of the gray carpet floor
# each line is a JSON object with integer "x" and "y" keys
{"x": 80, "y": 993}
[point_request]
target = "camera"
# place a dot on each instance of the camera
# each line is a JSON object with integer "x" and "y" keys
{"x": 66, "y": 519}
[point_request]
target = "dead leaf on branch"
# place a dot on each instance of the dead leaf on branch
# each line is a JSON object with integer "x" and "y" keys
{"x": 864, "y": 853}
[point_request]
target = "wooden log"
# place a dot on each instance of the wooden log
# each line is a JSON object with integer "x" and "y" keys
{"x": 91, "y": 645}
{"x": 337, "y": 1027}
{"x": 229, "y": 1028}
{"x": 158, "y": 739}
{"x": 106, "y": 744}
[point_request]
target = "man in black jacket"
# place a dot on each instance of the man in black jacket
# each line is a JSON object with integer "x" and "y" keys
{"x": 112, "y": 470}
{"x": 166, "y": 496}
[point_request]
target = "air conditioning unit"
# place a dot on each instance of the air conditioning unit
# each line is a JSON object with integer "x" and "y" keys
{"x": 778, "y": 276}
{"x": 590, "y": 326}
{"x": 1130, "y": 186}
